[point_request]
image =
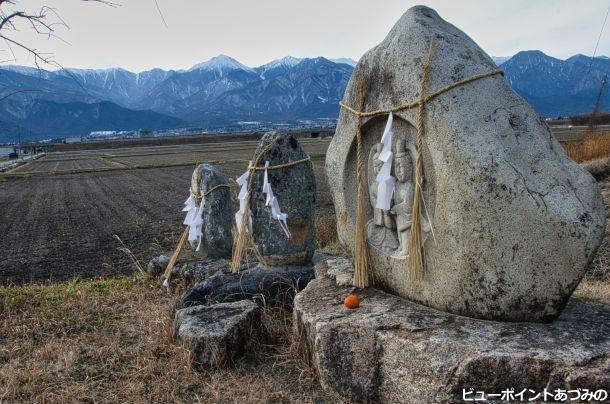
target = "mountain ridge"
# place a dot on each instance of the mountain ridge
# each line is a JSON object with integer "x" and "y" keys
{"x": 222, "y": 90}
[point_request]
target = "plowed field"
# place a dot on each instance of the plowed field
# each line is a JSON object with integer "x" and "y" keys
{"x": 59, "y": 214}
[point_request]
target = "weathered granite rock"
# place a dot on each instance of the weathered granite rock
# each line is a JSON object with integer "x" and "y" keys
{"x": 157, "y": 265}
{"x": 275, "y": 285}
{"x": 392, "y": 350}
{"x": 295, "y": 189}
{"x": 514, "y": 222}
{"x": 191, "y": 272}
{"x": 216, "y": 334}
{"x": 338, "y": 269}
{"x": 217, "y": 215}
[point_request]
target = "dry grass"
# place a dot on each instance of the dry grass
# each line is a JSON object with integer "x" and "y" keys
{"x": 593, "y": 145}
{"x": 599, "y": 168}
{"x": 109, "y": 341}
{"x": 600, "y": 267}
{"x": 593, "y": 290}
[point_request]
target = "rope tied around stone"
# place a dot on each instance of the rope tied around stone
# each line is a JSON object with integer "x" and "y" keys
{"x": 362, "y": 273}
{"x": 241, "y": 241}
{"x": 413, "y": 104}
{"x": 278, "y": 166}
{"x": 416, "y": 261}
{"x": 185, "y": 232}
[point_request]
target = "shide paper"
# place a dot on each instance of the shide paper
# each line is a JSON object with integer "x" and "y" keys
{"x": 242, "y": 181}
{"x": 385, "y": 181}
{"x": 273, "y": 203}
{"x": 194, "y": 219}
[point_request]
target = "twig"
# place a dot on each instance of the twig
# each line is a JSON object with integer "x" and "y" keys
{"x": 124, "y": 249}
{"x": 16, "y": 92}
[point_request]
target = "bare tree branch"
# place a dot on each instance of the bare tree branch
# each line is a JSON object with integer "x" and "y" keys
{"x": 160, "y": 13}
{"x": 44, "y": 22}
{"x": 16, "y": 92}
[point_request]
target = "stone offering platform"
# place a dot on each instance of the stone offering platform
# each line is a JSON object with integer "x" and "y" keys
{"x": 393, "y": 350}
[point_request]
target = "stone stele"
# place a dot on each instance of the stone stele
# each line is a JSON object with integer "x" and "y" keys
{"x": 217, "y": 217}
{"x": 510, "y": 222}
{"x": 295, "y": 189}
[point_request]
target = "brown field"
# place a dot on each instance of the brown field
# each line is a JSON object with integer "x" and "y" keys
{"x": 58, "y": 215}
{"x": 566, "y": 134}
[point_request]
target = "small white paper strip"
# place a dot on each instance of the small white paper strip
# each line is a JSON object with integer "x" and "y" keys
{"x": 273, "y": 203}
{"x": 385, "y": 181}
{"x": 194, "y": 219}
{"x": 243, "y": 195}
{"x": 191, "y": 208}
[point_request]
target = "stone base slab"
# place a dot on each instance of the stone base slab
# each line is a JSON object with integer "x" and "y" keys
{"x": 393, "y": 350}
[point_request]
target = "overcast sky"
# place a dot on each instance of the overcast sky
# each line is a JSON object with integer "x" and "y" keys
{"x": 133, "y": 35}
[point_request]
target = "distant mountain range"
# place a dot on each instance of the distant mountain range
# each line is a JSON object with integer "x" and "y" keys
{"x": 221, "y": 91}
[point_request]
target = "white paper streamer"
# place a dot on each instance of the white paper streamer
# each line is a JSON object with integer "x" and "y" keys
{"x": 385, "y": 181}
{"x": 243, "y": 195}
{"x": 273, "y": 203}
{"x": 194, "y": 219}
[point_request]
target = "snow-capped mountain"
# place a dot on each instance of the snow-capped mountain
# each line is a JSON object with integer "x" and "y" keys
{"x": 222, "y": 90}
{"x": 347, "y": 61}
{"x": 286, "y": 61}
{"x": 216, "y": 91}
{"x": 221, "y": 64}
{"x": 557, "y": 87}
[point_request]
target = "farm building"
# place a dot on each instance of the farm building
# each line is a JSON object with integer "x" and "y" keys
{"x": 70, "y": 140}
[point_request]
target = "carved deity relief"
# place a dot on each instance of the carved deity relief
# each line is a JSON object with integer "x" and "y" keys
{"x": 390, "y": 230}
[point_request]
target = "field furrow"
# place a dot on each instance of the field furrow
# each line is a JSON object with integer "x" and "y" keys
{"x": 62, "y": 226}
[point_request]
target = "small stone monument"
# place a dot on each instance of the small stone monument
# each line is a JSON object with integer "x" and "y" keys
{"x": 294, "y": 186}
{"x": 217, "y": 237}
{"x": 218, "y": 316}
{"x": 507, "y": 221}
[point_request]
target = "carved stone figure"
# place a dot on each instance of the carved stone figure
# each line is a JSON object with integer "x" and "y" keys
{"x": 381, "y": 231}
{"x": 403, "y": 195}
{"x": 380, "y": 217}
{"x": 390, "y": 230}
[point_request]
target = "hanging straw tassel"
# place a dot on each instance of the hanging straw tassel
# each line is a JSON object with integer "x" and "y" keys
{"x": 174, "y": 257}
{"x": 416, "y": 249}
{"x": 361, "y": 260}
{"x": 240, "y": 243}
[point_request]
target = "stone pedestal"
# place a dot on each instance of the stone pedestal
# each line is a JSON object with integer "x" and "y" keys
{"x": 218, "y": 333}
{"x": 393, "y": 350}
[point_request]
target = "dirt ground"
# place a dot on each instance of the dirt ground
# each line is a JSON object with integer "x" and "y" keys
{"x": 59, "y": 214}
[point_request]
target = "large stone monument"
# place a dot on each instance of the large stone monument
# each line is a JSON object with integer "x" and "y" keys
{"x": 509, "y": 222}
